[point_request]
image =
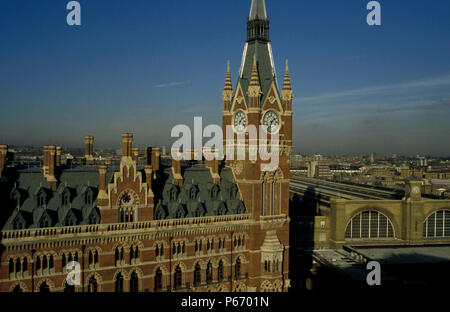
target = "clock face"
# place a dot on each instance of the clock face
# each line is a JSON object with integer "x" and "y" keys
{"x": 415, "y": 190}
{"x": 240, "y": 121}
{"x": 271, "y": 121}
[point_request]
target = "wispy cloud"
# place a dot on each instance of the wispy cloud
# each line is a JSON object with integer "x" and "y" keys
{"x": 172, "y": 84}
{"x": 425, "y": 83}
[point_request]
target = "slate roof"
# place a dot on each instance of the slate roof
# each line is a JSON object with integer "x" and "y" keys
{"x": 28, "y": 202}
{"x": 266, "y": 68}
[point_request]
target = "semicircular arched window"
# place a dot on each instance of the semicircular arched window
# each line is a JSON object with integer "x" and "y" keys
{"x": 437, "y": 225}
{"x": 369, "y": 224}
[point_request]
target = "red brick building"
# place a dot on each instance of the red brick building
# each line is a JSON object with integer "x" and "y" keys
{"x": 208, "y": 226}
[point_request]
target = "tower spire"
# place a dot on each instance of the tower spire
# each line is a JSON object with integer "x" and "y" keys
{"x": 254, "y": 88}
{"x": 286, "y": 92}
{"x": 227, "y": 93}
{"x": 258, "y": 10}
{"x": 254, "y": 79}
{"x": 228, "y": 83}
{"x": 287, "y": 78}
{"x": 258, "y": 22}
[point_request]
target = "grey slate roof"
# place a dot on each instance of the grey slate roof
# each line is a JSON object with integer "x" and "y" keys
{"x": 265, "y": 67}
{"x": 199, "y": 196}
{"x": 28, "y": 202}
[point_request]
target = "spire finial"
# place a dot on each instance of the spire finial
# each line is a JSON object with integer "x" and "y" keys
{"x": 254, "y": 80}
{"x": 287, "y": 65}
{"x": 228, "y": 83}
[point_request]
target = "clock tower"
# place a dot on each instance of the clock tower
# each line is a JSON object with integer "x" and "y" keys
{"x": 257, "y": 102}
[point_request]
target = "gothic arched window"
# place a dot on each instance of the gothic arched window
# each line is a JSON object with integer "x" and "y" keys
{"x": 197, "y": 275}
{"x": 118, "y": 283}
{"x": 237, "y": 268}
{"x": 220, "y": 271}
{"x": 92, "y": 286}
{"x": 158, "y": 280}
{"x": 134, "y": 282}
{"x": 209, "y": 272}
{"x": 178, "y": 281}
{"x": 44, "y": 287}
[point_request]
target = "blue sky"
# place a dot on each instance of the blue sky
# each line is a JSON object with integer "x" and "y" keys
{"x": 145, "y": 66}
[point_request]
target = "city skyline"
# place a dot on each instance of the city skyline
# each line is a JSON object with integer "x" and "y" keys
{"x": 148, "y": 67}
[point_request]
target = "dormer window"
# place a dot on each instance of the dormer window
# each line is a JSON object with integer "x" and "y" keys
{"x": 193, "y": 192}
{"x": 70, "y": 221}
{"x": 66, "y": 199}
{"x": 93, "y": 219}
{"x": 214, "y": 192}
{"x": 88, "y": 197}
{"x": 41, "y": 200}
{"x": 173, "y": 193}
{"x": 234, "y": 192}
{"x": 179, "y": 213}
{"x": 18, "y": 224}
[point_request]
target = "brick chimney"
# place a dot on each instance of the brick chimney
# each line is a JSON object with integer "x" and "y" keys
{"x": 176, "y": 167}
{"x": 156, "y": 154}
{"x": 89, "y": 150}
{"x": 102, "y": 193}
{"x": 58, "y": 156}
{"x": 127, "y": 141}
{"x": 3, "y": 153}
{"x": 148, "y": 177}
{"x": 212, "y": 162}
{"x": 49, "y": 166}
{"x": 135, "y": 153}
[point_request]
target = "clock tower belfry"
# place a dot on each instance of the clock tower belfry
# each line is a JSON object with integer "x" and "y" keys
{"x": 257, "y": 103}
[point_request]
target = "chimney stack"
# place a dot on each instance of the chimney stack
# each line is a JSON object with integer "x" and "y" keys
{"x": 58, "y": 156}
{"x": 49, "y": 166}
{"x": 135, "y": 153}
{"x": 127, "y": 141}
{"x": 102, "y": 194}
{"x": 3, "y": 154}
{"x": 89, "y": 150}
{"x": 176, "y": 167}
{"x": 212, "y": 162}
{"x": 156, "y": 154}
{"x": 148, "y": 176}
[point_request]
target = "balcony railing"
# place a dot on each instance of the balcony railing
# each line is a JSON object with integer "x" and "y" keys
{"x": 85, "y": 230}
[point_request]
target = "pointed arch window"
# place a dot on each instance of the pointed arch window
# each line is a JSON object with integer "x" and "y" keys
{"x": 178, "y": 282}
{"x": 209, "y": 273}
{"x": 220, "y": 271}
{"x": 92, "y": 286}
{"x": 158, "y": 280}
{"x": 197, "y": 275}
{"x": 63, "y": 262}
{"x": 44, "y": 287}
{"x": 66, "y": 198}
{"x": 237, "y": 268}
{"x": 118, "y": 283}
{"x": 134, "y": 282}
